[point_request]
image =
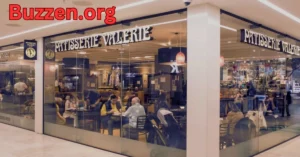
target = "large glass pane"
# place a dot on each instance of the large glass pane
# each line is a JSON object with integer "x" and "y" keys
{"x": 121, "y": 97}
{"x": 17, "y": 88}
{"x": 255, "y": 85}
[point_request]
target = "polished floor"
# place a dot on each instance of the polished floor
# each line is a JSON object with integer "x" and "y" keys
{"x": 288, "y": 149}
{"x": 16, "y": 142}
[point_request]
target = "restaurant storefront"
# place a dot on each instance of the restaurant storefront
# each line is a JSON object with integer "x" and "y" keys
{"x": 192, "y": 81}
{"x": 17, "y": 87}
{"x": 87, "y": 75}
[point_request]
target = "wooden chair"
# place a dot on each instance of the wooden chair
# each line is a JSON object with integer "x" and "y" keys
{"x": 59, "y": 118}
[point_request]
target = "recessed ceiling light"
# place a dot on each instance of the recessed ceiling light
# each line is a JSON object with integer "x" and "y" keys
{"x": 82, "y": 52}
{"x": 280, "y": 10}
{"x": 18, "y": 48}
{"x": 229, "y": 28}
{"x": 83, "y": 3}
{"x": 254, "y": 50}
{"x": 169, "y": 43}
{"x": 148, "y": 56}
{"x": 229, "y": 42}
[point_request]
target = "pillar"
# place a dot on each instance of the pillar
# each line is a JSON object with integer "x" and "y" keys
{"x": 203, "y": 74}
{"x": 39, "y": 92}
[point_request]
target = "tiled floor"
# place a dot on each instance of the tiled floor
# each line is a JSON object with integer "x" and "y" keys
{"x": 288, "y": 149}
{"x": 16, "y": 142}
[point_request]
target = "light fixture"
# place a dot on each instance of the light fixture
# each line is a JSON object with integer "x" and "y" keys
{"x": 52, "y": 68}
{"x": 228, "y": 28}
{"x": 254, "y": 50}
{"x": 18, "y": 48}
{"x": 148, "y": 56}
{"x": 136, "y": 57}
{"x": 180, "y": 58}
{"x": 280, "y": 10}
{"x": 229, "y": 42}
{"x": 222, "y": 61}
{"x": 82, "y": 52}
{"x": 118, "y": 8}
{"x": 169, "y": 43}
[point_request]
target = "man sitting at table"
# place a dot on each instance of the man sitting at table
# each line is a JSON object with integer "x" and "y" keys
{"x": 133, "y": 113}
{"x": 110, "y": 113}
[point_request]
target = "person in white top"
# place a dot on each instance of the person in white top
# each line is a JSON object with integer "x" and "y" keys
{"x": 70, "y": 108}
{"x": 1, "y": 99}
{"x": 133, "y": 113}
{"x": 20, "y": 87}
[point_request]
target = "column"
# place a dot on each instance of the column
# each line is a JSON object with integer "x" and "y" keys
{"x": 39, "y": 92}
{"x": 203, "y": 74}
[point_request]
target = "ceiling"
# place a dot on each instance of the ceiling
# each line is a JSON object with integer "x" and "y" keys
{"x": 231, "y": 48}
{"x": 251, "y": 9}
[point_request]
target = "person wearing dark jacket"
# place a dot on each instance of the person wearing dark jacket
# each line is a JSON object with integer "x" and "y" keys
{"x": 289, "y": 102}
{"x": 110, "y": 108}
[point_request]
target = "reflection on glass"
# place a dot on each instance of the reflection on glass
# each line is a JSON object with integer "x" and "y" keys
{"x": 255, "y": 93}
{"x": 17, "y": 81}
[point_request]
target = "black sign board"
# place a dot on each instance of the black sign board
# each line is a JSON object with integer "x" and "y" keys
{"x": 30, "y": 50}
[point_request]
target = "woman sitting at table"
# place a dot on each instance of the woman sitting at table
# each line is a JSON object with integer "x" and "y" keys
{"x": 70, "y": 109}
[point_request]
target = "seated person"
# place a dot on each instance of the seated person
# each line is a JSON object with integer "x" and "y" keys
{"x": 233, "y": 117}
{"x": 97, "y": 104}
{"x": 70, "y": 109}
{"x": 20, "y": 87}
{"x": 133, "y": 113}
{"x": 169, "y": 123}
{"x": 130, "y": 100}
{"x": 110, "y": 108}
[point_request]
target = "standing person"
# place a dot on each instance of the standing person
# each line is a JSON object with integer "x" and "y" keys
{"x": 133, "y": 113}
{"x": 1, "y": 99}
{"x": 289, "y": 102}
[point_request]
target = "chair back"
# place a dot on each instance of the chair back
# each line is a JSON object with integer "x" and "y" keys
{"x": 141, "y": 122}
{"x": 244, "y": 130}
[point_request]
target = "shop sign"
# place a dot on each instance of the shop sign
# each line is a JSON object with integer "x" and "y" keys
{"x": 258, "y": 39}
{"x": 30, "y": 49}
{"x": 133, "y": 35}
{"x": 174, "y": 67}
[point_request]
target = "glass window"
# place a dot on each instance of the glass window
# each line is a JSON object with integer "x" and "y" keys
{"x": 120, "y": 97}
{"x": 16, "y": 88}
{"x": 256, "y": 86}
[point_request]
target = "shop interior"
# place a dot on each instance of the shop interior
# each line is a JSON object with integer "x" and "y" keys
{"x": 142, "y": 70}
{"x": 253, "y": 86}
{"x": 16, "y": 83}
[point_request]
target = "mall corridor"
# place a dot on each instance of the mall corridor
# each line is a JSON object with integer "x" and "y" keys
{"x": 288, "y": 149}
{"x": 16, "y": 142}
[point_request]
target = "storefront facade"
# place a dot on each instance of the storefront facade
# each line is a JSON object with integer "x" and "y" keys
{"x": 17, "y": 77}
{"x": 209, "y": 83}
